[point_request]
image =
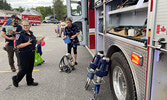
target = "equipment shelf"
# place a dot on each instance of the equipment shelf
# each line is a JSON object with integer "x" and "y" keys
{"x": 130, "y": 8}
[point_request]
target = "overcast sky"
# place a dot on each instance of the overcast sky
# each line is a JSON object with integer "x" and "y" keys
{"x": 30, "y": 3}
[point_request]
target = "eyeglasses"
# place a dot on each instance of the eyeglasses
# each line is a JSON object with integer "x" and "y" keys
{"x": 26, "y": 25}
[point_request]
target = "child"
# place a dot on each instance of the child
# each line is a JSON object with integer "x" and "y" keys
{"x": 39, "y": 50}
{"x": 9, "y": 32}
{"x": 58, "y": 30}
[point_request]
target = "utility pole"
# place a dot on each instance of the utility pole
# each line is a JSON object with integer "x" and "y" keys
{"x": 54, "y": 8}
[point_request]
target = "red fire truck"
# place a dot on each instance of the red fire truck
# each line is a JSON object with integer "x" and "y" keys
{"x": 133, "y": 33}
{"x": 33, "y": 16}
{"x": 3, "y": 19}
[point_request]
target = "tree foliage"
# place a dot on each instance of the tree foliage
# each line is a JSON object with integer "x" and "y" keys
{"x": 45, "y": 11}
{"x": 20, "y": 9}
{"x": 4, "y": 5}
{"x": 60, "y": 9}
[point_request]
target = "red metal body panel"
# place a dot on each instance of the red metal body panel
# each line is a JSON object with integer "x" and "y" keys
{"x": 91, "y": 16}
{"x": 92, "y": 41}
{"x": 32, "y": 18}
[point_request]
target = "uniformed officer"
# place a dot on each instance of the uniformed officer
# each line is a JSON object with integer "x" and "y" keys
{"x": 18, "y": 30}
{"x": 25, "y": 42}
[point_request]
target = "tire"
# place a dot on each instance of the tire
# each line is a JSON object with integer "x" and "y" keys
{"x": 34, "y": 24}
{"x": 121, "y": 79}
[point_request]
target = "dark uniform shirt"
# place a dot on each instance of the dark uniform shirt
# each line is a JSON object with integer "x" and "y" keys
{"x": 23, "y": 37}
{"x": 70, "y": 31}
{"x": 18, "y": 28}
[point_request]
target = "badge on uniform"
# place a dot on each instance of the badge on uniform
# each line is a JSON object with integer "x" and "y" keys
{"x": 17, "y": 36}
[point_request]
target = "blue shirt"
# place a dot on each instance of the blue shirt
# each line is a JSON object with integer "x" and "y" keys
{"x": 70, "y": 31}
{"x": 23, "y": 37}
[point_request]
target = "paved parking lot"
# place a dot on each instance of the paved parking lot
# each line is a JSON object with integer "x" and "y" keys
{"x": 53, "y": 85}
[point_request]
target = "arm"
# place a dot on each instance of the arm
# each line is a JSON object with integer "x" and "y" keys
{"x": 77, "y": 32}
{"x": 39, "y": 41}
{"x": 72, "y": 37}
{"x": 22, "y": 45}
{"x": 3, "y": 34}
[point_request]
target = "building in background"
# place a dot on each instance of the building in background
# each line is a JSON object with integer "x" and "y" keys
{"x": 9, "y": 13}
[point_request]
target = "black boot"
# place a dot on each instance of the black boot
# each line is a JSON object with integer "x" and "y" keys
{"x": 15, "y": 83}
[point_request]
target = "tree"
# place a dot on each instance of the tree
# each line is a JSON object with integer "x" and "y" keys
{"x": 1, "y": 4}
{"x": 20, "y": 9}
{"x": 45, "y": 11}
{"x": 60, "y": 9}
{"x": 5, "y": 5}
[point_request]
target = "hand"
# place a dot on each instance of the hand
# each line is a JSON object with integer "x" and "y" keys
{"x": 65, "y": 37}
{"x": 11, "y": 38}
{"x": 72, "y": 37}
{"x": 42, "y": 39}
{"x": 29, "y": 42}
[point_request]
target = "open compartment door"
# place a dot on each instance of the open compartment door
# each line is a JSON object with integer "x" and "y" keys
{"x": 76, "y": 10}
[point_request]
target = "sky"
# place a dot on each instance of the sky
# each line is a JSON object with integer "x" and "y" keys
{"x": 30, "y": 3}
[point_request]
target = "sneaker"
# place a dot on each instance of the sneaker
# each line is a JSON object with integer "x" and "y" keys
{"x": 76, "y": 63}
{"x": 14, "y": 81}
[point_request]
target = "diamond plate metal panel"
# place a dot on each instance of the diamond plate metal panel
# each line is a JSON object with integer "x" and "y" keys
{"x": 138, "y": 72}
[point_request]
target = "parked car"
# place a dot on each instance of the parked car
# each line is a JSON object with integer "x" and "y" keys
{"x": 55, "y": 21}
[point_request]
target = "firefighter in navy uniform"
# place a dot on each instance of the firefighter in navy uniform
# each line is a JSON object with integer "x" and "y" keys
{"x": 25, "y": 42}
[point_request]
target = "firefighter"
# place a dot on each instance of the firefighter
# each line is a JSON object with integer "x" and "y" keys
{"x": 25, "y": 42}
{"x": 18, "y": 30}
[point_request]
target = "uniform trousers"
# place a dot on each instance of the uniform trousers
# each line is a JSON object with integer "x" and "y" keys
{"x": 27, "y": 65}
{"x": 18, "y": 59}
{"x": 10, "y": 52}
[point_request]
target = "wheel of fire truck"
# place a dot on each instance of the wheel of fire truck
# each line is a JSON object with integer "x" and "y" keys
{"x": 34, "y": 24}
{"x": 121, "y": 80}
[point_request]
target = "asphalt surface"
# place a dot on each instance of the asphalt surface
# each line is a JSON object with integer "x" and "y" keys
{"x": 53, "y": 85}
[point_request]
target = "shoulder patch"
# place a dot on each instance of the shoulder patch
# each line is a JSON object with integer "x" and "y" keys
{"x": 17, "y": 36}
